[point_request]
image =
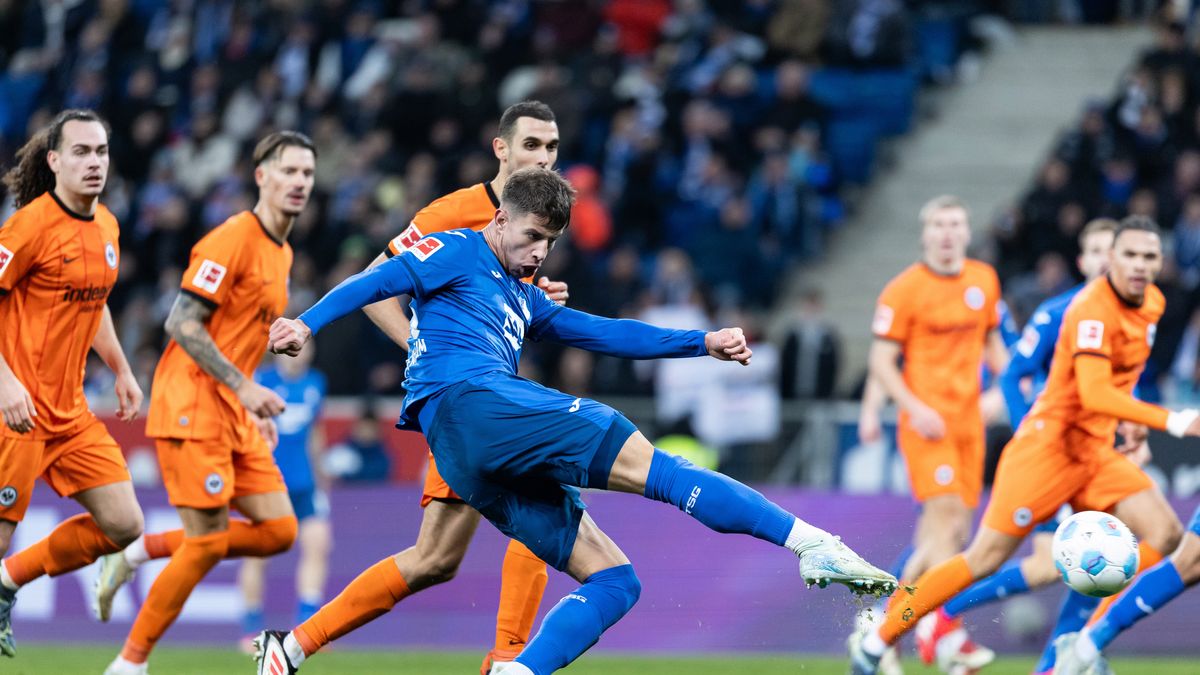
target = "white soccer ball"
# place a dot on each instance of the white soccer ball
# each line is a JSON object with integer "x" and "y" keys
{"x": 1095, "y": 553}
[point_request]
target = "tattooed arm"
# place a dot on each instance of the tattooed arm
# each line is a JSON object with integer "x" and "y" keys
{"x": 185, "y": 325}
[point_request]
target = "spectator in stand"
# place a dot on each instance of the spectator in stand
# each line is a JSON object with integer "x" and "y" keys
{"x": 361, "y": 457}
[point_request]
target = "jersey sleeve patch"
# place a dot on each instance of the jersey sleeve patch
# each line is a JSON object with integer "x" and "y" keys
{"x": 209, "y": 276}
{"x": 882, "y": 323}
{"x": 426, "y": 247}
{"x": 1089, "y": 334}
{"x": 6, "y": 257}
{"x": 1029, "y": 341}
{"x": 404, "y": 241}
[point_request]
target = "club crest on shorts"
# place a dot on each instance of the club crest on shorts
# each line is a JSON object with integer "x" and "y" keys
{"x": 974, "y": 297}
{"x": 943, "y": 475}
{"x": 8, "y": 496}
{"x": 110, "y": 255}
{"x": 213, "y": 484}
{"x": 1023, "y": 516}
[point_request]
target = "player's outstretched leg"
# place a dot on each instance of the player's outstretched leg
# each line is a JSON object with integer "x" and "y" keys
{"x": 1072, "y": 615}
{"x": 725, "y": 505}
{"x": 522, "y": 582}
{"x": 261, "y": 539}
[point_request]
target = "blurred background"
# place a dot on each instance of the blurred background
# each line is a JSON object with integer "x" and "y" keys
{"x": 756, "y": 162}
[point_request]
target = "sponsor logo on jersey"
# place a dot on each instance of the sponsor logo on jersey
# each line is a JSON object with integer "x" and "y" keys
{"x": 882, "y": 323}
{"x": 209, "y": 276}
{"x": 426, "y": 247}
{"x": 6, "y": 257}
{"x": 8, "y": 496}
{"x": 974, "y": 298}
{"x": 85, "y": 293}
{"x": 110, "y": 255}
{"x": 1090, "y": 334}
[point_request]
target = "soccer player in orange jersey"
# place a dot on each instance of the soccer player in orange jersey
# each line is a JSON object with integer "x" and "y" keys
{"x": 1063, "y": 450}
{"x": 527, "y": 136}
{"x": 941, "y": 315}
{"x": 211, "y": 422}
{"x": 58, "y": 263}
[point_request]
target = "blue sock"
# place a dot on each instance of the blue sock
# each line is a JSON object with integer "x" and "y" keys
{"x": 578, "y": 620}
{"x": 1150, "y": 591}
{"x": 305, "y": 610}
{"x": 718, "y": 501}
{"x": 1073, "y": 614}
{"x": 252, "y": 621}
{"x": 1008, "y": 580}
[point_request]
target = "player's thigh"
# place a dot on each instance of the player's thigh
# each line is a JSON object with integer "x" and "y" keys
{"x": 1151, "y": 519}
{"x": 20, "y": 464}
{"x": 447, "y": 528}
{"x": 631, "y": 469}
{"x": 1035, "y": 477}
{"x": 544, "y": 515}
{"x": 86, "y": 459}
{"x": 315, "y": 536}
{"x": 593, "y": 551}
{"x": 259, "y": 492}
{"x": 7, "y": 527}
{"x": 935, "y": 468}
{"x": 115, "y": 509}
{"x": 944, "y": 517}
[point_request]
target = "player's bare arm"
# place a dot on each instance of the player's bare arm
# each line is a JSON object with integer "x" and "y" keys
{"x": 185, "y": 325}
{"x": 995, "y": 353}
{"x": 873, "y": 399}
{"x": 388, "y": 314}
{"x": 884, "y": 366}
{"x": 108, "y": 346}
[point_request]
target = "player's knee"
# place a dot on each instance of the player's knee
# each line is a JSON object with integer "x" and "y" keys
{"x": 278, "y": 534}
{"x": 1187, "y": 558}
{"x": 122, "y": 527}
{"x": 440, "y": 567}
{"x": 623, "y": 587}
{"x": 1166, "y": 536}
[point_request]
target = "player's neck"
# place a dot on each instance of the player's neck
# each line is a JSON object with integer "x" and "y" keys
{"x": 84, "y": 205}
{"x": 944, "y": 268}
{"x": 499, "y": 181}
{"x": 492, "y": 238}
{"x": 1125, "y": 296}
{"x": 277, "y": 224}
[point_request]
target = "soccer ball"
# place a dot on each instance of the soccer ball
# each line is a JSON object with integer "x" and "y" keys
{"x": 1095, "y": 553}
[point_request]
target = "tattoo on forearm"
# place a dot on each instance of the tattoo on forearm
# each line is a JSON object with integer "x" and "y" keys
{"x": 186, "y": 325}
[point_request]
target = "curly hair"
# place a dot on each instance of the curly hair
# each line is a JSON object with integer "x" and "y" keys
{"x": 32, "y": 177}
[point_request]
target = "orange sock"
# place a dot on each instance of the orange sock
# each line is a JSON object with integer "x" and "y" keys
{"x": 195, "y": 557}
{"x": 371, "y": 595}
{"x": 1148, "y": 556}
{"x": 933, "y": 588}
{"x": 522, "y": 582}
{"x": 76, "y": 542}
{"x": 257, "y": 540}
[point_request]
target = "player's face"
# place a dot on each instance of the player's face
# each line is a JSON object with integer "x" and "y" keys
{"x": 286, "y": 182}
{"x": 533, "y": 143}
{"x": 1136, "y": 259}
{"x": 945, "y": 235}
{"x": 524, "y": 242}
{"x": 1093, "y": 259}
{"x": 80, "y": 164}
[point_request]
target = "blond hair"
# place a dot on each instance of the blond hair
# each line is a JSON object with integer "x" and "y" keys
{"x": 941, "y": 202}
{"x": 1095, "y": 226}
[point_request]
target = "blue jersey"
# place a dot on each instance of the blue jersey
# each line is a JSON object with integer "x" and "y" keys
{"x": 471, "y": 317}
{"x": 1032, "y": 354}
{"x": 303, "y": 397}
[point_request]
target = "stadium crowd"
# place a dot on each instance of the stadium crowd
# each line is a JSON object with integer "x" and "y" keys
{"x": 689, "y": 128}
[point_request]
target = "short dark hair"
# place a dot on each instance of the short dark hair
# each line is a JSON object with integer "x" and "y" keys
{"x": 535, "y": 109}
{"x": 1138, "y": 223}
{"x": 541, "y": 192}
{"x": 272, "y": 145}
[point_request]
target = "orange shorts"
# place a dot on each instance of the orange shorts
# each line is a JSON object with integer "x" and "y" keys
{"x": 1048, "y": 464}
{"x": 81, "y": 460}
{"x": 210, "y": 473}
{"x": 950, "y": 466}
{"x": 436, "y": 487}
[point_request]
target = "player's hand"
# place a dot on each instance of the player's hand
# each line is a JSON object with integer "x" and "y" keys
{"x": 555, "y": 290}
{"x": 129, "y": 397}
{"x": 728, "y": 344}
{"x": 1139, "y": 454}
{"x": 268, "y": 429}
{"x": 1133, "y": 435}
{"x": 16, "y": 405}
{"x": 1193, "y": 428}
{"x": 927, "y": 422}
{"x": 258, "y": 399}
{"x": 870, "y": 429}
{"x": 288, "y": 336}
{"x": 992, "y": 406}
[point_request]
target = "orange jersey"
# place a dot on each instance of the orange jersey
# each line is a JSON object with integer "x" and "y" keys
{"x": 56, "y": 271}
{"x": 471, "y": 207}
{"x": 942, "y": 324}
{"x": 1102, "y": 336}
{"x": 241, "y": 271}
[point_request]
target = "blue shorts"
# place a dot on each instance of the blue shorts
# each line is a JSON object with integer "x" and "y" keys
{"x": 310, "y": 503}
{"x": 516, "y": 452}
{"x": 1050, "y": 525}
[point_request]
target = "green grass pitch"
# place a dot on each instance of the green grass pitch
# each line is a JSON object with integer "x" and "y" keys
{"x": 71, "y": 659}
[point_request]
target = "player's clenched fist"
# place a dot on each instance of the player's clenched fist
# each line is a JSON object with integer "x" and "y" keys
{"x": 16, "y": 405}
{"x": 258, "y": 399}
{"x": 288, "y": 336}
{"x": 728, "y": 344}
{"x": 555, "y": 290}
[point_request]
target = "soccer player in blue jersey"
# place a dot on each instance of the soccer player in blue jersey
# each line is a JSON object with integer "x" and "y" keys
{"x": 1080, "y": 653}
{"x": 297, "y": 453}
{"x": 518, "y": 452}
{"x": 940, "y": 633}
